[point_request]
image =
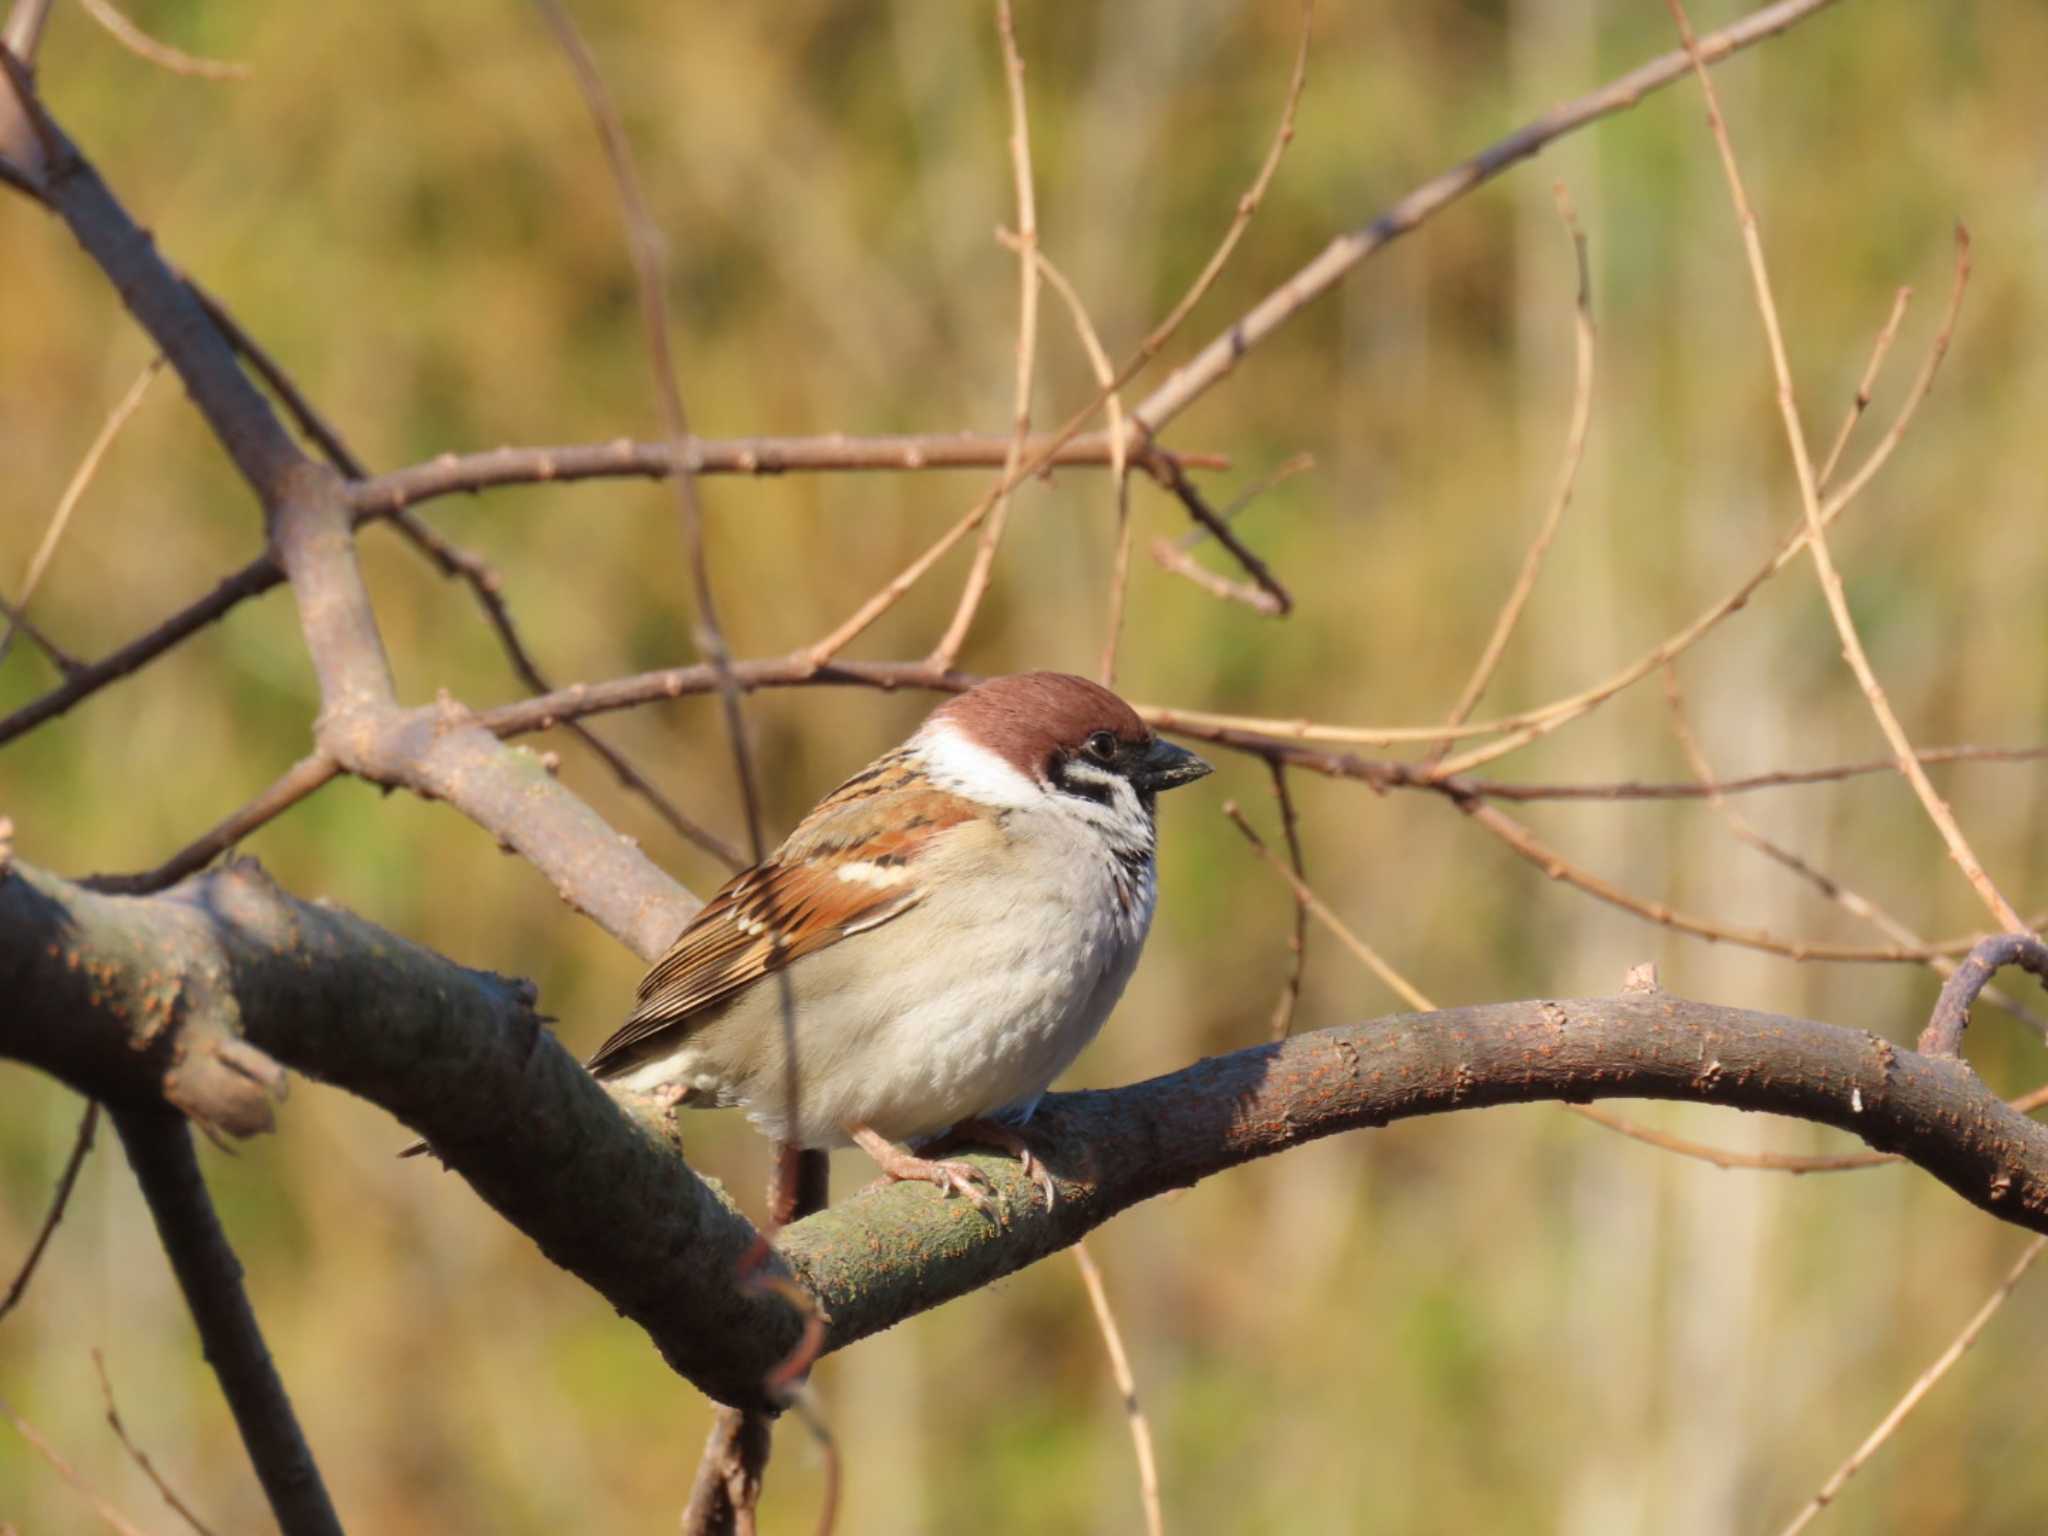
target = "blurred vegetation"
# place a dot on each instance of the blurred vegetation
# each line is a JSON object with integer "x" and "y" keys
{"x": 1506, "y": 1320}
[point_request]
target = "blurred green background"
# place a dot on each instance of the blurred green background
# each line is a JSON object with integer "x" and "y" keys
{"x": 1507, "y": 1320}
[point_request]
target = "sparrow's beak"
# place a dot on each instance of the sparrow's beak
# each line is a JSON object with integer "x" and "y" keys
{"x": 1165, "y": 765}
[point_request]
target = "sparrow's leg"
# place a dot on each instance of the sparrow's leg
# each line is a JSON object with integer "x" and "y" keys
{"x": 993, "y": 1133}
{"x": 903, "y": 1164}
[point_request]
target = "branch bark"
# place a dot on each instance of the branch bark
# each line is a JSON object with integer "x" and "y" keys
{"x": 460, "y": 1056}
{"x": 159, "y": 1146}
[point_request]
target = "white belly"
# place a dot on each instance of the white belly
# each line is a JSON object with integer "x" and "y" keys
{"x": 959, "y": 1008}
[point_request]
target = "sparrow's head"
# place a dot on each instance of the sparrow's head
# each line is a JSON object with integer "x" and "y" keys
{"x": 1060, "y": 734}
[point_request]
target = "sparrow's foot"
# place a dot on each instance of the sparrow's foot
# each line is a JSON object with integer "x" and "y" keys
{"x": 900, "y": 1163}
{"x": 993, "y": 1133}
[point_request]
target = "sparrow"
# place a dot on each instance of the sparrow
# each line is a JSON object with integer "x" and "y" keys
{"x": 939, "y": 937}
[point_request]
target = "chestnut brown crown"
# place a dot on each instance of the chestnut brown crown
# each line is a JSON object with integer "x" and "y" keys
{"x": 1039, "y": 721}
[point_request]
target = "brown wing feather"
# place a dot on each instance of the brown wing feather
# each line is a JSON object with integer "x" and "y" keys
{"x": 796, "y": 903}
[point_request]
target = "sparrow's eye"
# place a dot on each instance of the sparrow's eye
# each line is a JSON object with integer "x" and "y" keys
{"x": 1101, "y": 746}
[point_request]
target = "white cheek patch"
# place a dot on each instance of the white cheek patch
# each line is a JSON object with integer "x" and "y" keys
{"x": 880, "y": 877}
{"x": 968, "y": 768}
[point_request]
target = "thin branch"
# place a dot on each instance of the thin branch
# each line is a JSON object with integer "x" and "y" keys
{"x": 18, "y": 621}
{"x": 160, "y": 1150}
{"x": 1414, "y": 997}
{"x": 1944, "y": 1033}
{"x": 81, "y": 477}
{"x": 1220, "y": 358}
{"x": 1297, "y": 942}
{"x": 252, "y": 580}
{"x": 1581, "y": 422}
{"x": 488, "y": 587}
{"x": 1861, "y": 402}
{"x": 1026, "y": 246}
{"x": 1528, "y": 725}
{"x": 1830, "y": 578}
{"x": 1271, "y": 597}
{"x": 1127, "y": 1388}
{"x": 1849, "y": 900}
{"x": 649, "y": 265}
{"x": 1363, "y": 952}
{"x": 59, "y": 1199}
{"x": 826, "y": 649}
{"x": 136, "y": 1453}
{"x": 1920, "y": 1388}
{"x": 1119, "y": 469}
{"x": 1723, "y": 1157}
{"x": 728, "y": 1481}
{"x": 1557, "y": 867}
{"x": 459, "y": 564}
{"x": 307, "y": 775}
{"x": 113, "y": 1518}
{"x": 727, "y": 1487}
{"x": 163, "y": 55}
{"x": 833, "y": 453}
{"x": 1152, "y": 417}
{"x": 23, "y": 34}
{"x": 1708, "y": 789}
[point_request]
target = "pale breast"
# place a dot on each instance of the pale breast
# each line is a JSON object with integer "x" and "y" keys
{"x": 967, "y": 1004}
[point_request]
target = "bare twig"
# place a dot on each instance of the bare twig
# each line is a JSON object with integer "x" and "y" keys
{"x": 649, "y": 264}
{"x": 1119, "y": 469}
{"x": 1517, "y": 730}
{"x": 113, "y": 1518}
{"x": 457, "y": 563}
{"x": 1297, "y": 942}
{"x": 1944, "y": 1033}
{"x": 487, "y": 586}
{"x": 1415, "y": 998}
{"x": 23, "y": 34}
{"x": 1127, "y": 1388}
{"x": 1285, "y": 471}
{"x": 728, "y": 1481}
{"x": 23, "y": 161}
{"x": 976, "y": 586}
{"x": 1850, "y": 901}
{"x": 1810, "y": 499}
{"x": 59, "y": 1199}
{"x": 305, "y": 776}
{"x": 81, "y": 477}
{"x": 136, "y": 1453}
{"x": 833, "y": 453}
{"x": 258, "y": 576}
{"x": 1220, "y": 358}
{"x": 163, "y": 55}
{"x": 1153, "y": 415}
{"x": 1723, "y": 1157}
{"x": 55, "y": 654}
{"x": 1567, "y": 477}
{"x": 1271, "y": 597}
{"x": 160, "y": 1151}
{"x": 1920, "y": 1388}
{"x": 1366, "y": 955}
{"x": 892, "y": 591}
{"x": 1861, "y": 402}
{"x": 1557, "y": 867}
{"x": 1176, "y": 555}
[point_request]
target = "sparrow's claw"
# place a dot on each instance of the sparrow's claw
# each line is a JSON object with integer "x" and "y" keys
{"x": 993, "y": 1133}
{"x": 902, "y": 1165}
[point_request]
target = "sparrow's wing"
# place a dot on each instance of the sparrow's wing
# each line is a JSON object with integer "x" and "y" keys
{"x": 851, "y": 866}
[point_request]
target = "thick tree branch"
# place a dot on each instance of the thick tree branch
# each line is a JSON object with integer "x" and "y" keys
{"x": 122, "y": 996}
{"x": 438, "y": 751}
